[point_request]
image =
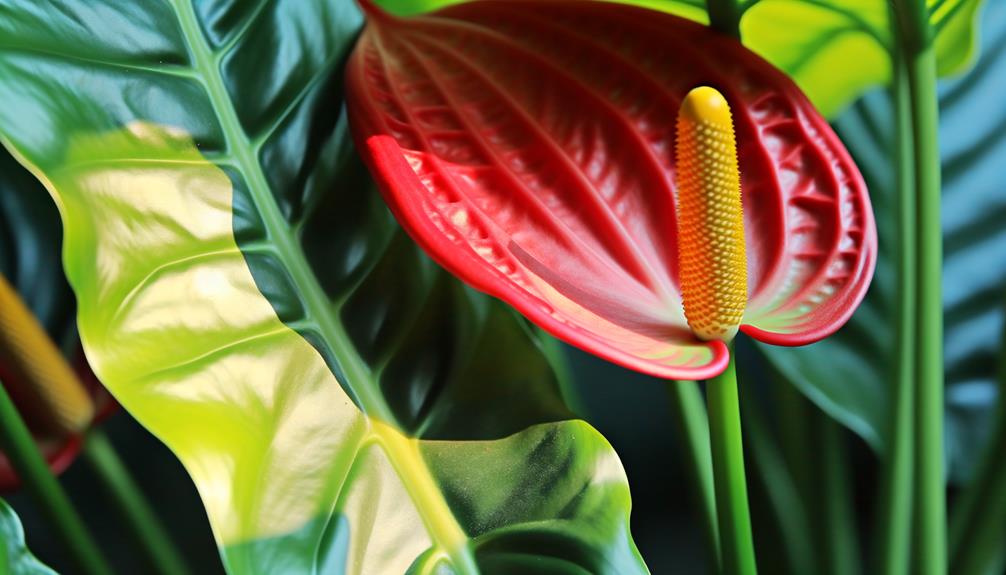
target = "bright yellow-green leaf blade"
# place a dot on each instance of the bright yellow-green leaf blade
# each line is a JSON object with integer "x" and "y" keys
{"x": 175, "y": 326}
{"x": 837, "y": 49}
{"x": 956, "y": 25}
{"x": 834, "y": 49}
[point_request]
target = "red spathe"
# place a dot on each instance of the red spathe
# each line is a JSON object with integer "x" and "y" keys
{"x": 528, "y": 147}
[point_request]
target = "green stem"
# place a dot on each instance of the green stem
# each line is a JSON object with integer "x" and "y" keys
{"x": 930, "y": 489}
{"x": 132, "y": 506}
{"x": 895, "y": 519}
{"x": 725, "y": 16}
{"x": 930, "y": 486}
{"x": 17, "y": 442}
{"x": 736, "y": 541}
{"x": 688, "y": 413}
{"x": 911, "y": 19}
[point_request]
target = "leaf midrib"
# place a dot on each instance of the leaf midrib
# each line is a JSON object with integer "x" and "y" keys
{"x": 402, "y": 452}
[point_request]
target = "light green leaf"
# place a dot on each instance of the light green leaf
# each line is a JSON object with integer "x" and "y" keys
{"x": 834, "y": 49}
{"x": 15, "y": 558}
{"x": 955, "y": 24}
{"x": 343, "y": 405}
{"x": 837, "y": 49}
{"x": 847, "y": 375}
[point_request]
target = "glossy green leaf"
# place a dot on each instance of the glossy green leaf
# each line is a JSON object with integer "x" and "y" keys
{"x": 847, "y": 375}
{"x": 834, "y": 49}
{"x": 342, "y": 404}
{"x": 15, "y": 558}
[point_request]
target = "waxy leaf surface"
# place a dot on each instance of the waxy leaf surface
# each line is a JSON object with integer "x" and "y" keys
{"x": 529, "y": 148}
{"x": 848, "y": 374}
{"x": 342, "y": 404}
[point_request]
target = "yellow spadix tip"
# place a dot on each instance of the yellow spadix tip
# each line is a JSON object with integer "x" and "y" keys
{"x": 711, "y": 253}
{"x": 705, "y": 104}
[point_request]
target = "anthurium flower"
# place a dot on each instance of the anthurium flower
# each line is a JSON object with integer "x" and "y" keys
{"x": 58, "y": 402}
{"x": 530, "y": 148}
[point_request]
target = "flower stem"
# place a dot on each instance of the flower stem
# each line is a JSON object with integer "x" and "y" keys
{"x": 17, "y": 442}
{"x": 736, "y": 541}
{"x": 911, "y": 19}
{"x": 725, "y": 16}
{"x": 686, "y": 399}
{"x": 688, "y": 412}
{"x": 930, "y": 490}
{"x": 133, "y": 507}
{"x": 894, "y": 525}
{"x": 930, "y": 486}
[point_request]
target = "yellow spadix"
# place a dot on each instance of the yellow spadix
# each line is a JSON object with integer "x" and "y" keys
{"x": 712, "y": 261}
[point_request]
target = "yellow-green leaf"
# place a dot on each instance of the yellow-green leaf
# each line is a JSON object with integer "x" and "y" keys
{"x": 837, "y": 49}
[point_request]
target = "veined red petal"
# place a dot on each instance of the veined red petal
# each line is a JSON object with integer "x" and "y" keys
{"x": 528, "y": 147}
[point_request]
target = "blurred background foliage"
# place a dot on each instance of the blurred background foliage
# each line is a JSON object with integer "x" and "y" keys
{"x": 846, "y": 374}
{"x": 842, "y": 378}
